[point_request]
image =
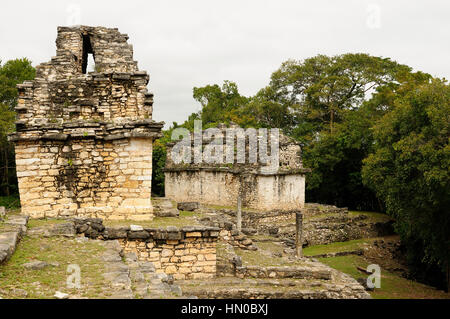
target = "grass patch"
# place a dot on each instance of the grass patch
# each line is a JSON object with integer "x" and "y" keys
{"x": 320, "y": 216}
{"x": 255, "y": 258}
{"x": 4, "y": 227}
{"x": 271, "y": 246}
{"x": 263, "y": 257}
{"x": 14, "y": 211}
{"x": 337, "y": 247}
{"x": 189, "y": 214}
{"x": 392, "y": 285}
{"x": 10, "y": 202}
{"x": 373, "y": 217}
{"x": 185, "y": 219}
{"x": 32, "y": 223}
{"x": 7, "y": 228}
{"x": 43, "y": 283}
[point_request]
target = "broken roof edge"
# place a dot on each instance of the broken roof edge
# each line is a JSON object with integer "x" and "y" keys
{"x": 234, "y": 170}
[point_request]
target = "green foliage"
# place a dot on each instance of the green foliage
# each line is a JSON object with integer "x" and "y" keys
{"x": 409, "y": 169}
{"x": 221, "y": 105}
{"x": 158, "y": 164}
{"x": 12, "y": 73}
{"x": 63, "y": 251}
{"x": 336, "y": 161}
{"x": 7, "y": 118}
{"x": 159, "y": 161}
{"x": 266, "y": 111}
{"x": 318, "y": 102}
{"x": 10, "y": 202}
{"x": 373, "y": 132}
{"x": 323, "y": 102}
{"x": 393, "y": 286}
{"x": 315, "y": 94}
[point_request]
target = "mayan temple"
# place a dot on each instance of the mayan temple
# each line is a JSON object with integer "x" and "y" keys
{"x": 83, "y": 140}
{"x": 260, "y": 186}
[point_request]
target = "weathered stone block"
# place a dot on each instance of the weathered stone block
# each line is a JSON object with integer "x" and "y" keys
{"x": 170, "y": 270}
{"x": 138, "y": 234}
{"x": 188, "y": 206}
{"x": 201, "y": 275}
{"x": 193, "y": 234}
{"x": 188, "y": 258}
{"x": 167, "y": 253}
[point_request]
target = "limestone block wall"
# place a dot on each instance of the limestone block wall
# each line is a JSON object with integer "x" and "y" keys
{"x": 85, "y": 177}
{"x": 186, "y": 253}
{"x": 282, "y": 192}
{"x": 84, "y": 139}
{"x": 95, "y": 97}
{"x": 207, "y": 187}
{"x": 189, "y": 255}
{"x": 110, "y": 48}
{"x": 215, "y": 187}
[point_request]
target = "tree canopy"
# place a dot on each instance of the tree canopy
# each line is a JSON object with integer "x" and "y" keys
{"x": 12, "y": 73}
{"x": 315, "y": 94}
{"x": 409, "y": 169}
{"x": 374, "y": 133}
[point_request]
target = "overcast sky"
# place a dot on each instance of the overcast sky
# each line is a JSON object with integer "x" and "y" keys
{"x": 183, "y": 44}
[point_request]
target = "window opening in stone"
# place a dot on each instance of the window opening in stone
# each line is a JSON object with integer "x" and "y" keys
{"x": 90, "y": 63}
{"x": 88, "y": 55}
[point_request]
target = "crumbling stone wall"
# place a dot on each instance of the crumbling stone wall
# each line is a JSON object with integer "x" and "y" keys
{"x": 283, "y": 191}
{"x": 186, "y": 253}
{"x": 84, "y": 141}
{"x": 189, "y": 254}
{"x": 322, "y": 224}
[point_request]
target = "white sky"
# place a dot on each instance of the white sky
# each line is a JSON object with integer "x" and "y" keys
{"x": 183, "y": 44}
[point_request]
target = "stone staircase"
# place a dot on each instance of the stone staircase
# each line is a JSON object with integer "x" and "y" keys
{"x": 129, "y": 278}
{"x": 261, "y": 274}
{"x": 235, "y": 288}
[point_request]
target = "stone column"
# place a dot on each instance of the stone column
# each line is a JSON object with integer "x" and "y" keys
{"x": 239, "y": 213}
{"x": 298, "y": 234}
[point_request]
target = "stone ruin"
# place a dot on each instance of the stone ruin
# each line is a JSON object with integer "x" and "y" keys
{"x": 83, "y": 140}
{"x": 83, "y": 145}
{"x": 281, "y": 188}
